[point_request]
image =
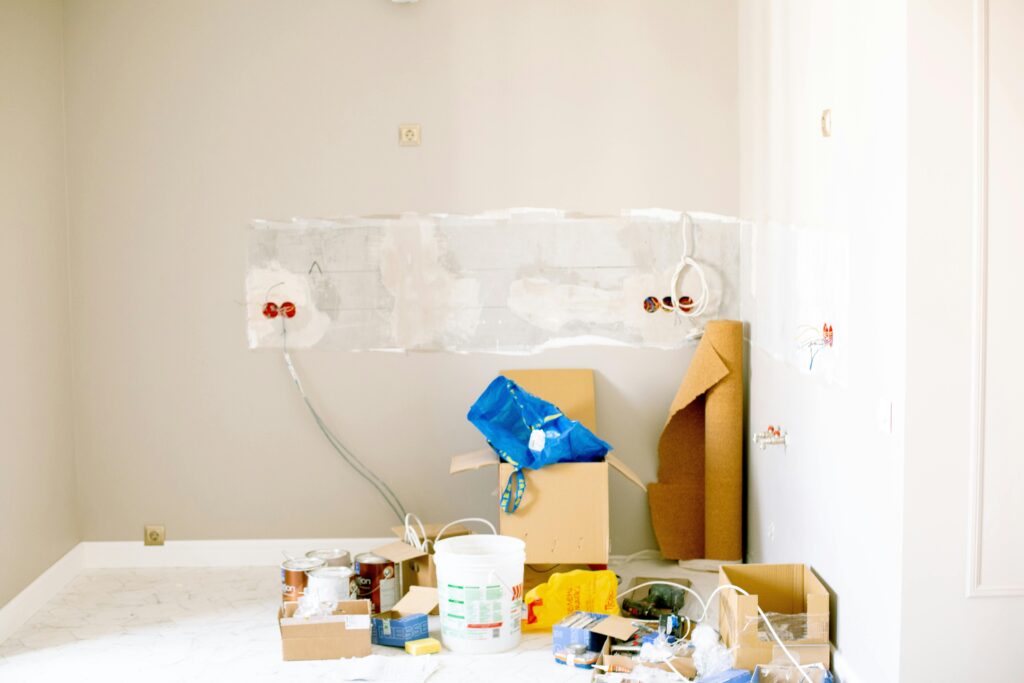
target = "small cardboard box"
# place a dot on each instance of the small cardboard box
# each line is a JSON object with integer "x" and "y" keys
{"x": 346, "y": 633}
{"x": 416, "y": 567}
{"x": 563, "y": 517}
{"x": 790, "y": 589}
{"x": 621, "y": 628}
{"x": 407, "y": 620}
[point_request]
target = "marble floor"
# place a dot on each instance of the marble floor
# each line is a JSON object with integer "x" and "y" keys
{"x": 157, "y": 625}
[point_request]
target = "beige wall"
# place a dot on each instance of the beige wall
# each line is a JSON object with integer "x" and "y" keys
{"x": 37, "y": 473}
{"x": 188, "y": 119}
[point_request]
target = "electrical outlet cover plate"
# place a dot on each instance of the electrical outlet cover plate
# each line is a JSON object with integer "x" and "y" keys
{"x": 409, "y": 134}
{"x": 153, "y": 534}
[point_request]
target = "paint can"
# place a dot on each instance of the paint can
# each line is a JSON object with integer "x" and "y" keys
{"x": 332, "y": 557}
{"x": 377, "y": 580}
{"x": 332, "y": 584}
{"x": 293, "y": 576}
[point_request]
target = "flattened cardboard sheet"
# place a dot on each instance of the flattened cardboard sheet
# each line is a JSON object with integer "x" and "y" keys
{"x": 697, "y": 502}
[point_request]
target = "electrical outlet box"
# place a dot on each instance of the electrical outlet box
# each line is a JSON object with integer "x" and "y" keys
{"x": 409, "y": 134}
{"x": 153, "y": 534}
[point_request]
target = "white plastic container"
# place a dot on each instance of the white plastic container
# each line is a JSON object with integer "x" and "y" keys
{"x": 480, "y": 588}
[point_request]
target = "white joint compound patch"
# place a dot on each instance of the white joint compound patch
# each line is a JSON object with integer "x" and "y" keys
{"x": 514, "y": 281}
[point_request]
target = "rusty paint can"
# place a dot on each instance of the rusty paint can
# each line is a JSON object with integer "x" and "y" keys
{"x": 332, "y": 583}
{"x": 377, "y": 579}
{"x": 332, "y": 557}
{"x": 293, "y": 576}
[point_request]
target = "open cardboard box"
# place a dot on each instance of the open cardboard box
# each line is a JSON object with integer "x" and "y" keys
{"x": 416, "y": 566}
{"x": 783, "y": 588}
{"x": 621, "y": 628}
{"x": 563, "y": 517}
{"x": 346, "y": 633}
{"x": 407, "y": 620}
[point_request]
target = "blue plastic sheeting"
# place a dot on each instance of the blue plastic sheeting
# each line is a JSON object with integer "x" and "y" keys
{"x": 529, "y": 433}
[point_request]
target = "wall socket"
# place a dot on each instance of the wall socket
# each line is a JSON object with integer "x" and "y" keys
{"x": 409, "y": 135}
{"x": 153, "y": 534}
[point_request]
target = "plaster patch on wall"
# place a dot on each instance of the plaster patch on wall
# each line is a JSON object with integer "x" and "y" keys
{"x": 274, "y": 283}
{"x": 513, "y": 281}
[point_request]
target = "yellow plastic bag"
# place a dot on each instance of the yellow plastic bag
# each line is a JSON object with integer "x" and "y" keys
{"x": 563, "y": 594}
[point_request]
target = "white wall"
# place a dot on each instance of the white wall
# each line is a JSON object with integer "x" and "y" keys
{"x": 37, "y": 473}
{"x": 188, "y": 119}
{"x": 943, "y": 223}
{"x": 832, "y": 499}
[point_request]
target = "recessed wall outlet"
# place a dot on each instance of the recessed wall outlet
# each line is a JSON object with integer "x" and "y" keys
{"x": 409, "y": 134}
{"x": 153, "y": 534}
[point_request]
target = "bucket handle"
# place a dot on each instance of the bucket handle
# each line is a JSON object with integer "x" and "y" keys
{"x": 465, "y": 519}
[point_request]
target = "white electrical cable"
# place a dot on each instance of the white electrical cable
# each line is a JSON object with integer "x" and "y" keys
{"x": 700, "y": 302}
{"x": 706, "y": 605}
{"x": 355, "y": 463}
{"x": 418, "y": 541}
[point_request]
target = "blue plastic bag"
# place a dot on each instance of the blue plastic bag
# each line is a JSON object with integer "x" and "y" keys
{"x": 528, "y": 433}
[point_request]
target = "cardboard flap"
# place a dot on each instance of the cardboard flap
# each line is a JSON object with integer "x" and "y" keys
{"x": 706, "y": 370}
{"x": 571, "y": 390}
{"x": 419, "y": 600}
{"x": 399, "y": 551}
{"x": 616, "y": 627}
{"x": 623, "y": 469}
{"x": 474, "y": 460}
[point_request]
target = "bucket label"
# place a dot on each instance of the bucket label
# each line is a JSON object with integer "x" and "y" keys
{"x": 476, "y": 612}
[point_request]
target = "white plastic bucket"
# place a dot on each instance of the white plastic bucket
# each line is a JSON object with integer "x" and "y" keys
{"x": 480, "y": 588}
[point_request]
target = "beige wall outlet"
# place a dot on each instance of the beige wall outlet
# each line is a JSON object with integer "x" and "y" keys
{"x": 409, "y": 134}
{"x": 153, "y": 534}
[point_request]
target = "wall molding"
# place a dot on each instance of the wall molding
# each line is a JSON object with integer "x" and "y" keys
{"x": 128, "y": 554}
{"x": 976, "y": 588}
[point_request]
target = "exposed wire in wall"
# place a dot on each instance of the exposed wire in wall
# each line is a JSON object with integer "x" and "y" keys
{"x": 689, "y": 306}
{"x": 285, "y": 311}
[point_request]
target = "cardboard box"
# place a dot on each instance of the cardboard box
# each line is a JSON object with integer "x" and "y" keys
{"x": 407, "y": 620}
{"x": 697, "y": 502}
{"x": 563, "y": 517}
{"x": 346, "y": 633}
{"x": 621, "y": 628}
{"x": 416, "y": 567}
{"x": 790, "y": 589}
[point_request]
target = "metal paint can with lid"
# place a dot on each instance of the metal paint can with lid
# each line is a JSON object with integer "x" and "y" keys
{"x": 293, "y": 576}
{"x": 377, "y": 579}
{"x": 332, "y": 584}
{"x": 332, "y": 557}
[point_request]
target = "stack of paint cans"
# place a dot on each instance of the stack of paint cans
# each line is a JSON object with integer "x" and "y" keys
{"x": 328, "y": 571}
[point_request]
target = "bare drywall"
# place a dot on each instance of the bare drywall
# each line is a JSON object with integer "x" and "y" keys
{"x": 829, "y": 214}
{"x": 37, "y": 470}
{"x": 188, "y": 119}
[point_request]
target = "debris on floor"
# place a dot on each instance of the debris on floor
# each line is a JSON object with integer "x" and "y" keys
{"x": 541, "y": 429}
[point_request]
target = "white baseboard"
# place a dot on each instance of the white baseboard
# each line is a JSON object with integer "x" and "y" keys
{"x": 228, "y": 553}
{"x": 26, "y": 603}
{"x": 842, "y": 670}
{"x": 126, "y": 554}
